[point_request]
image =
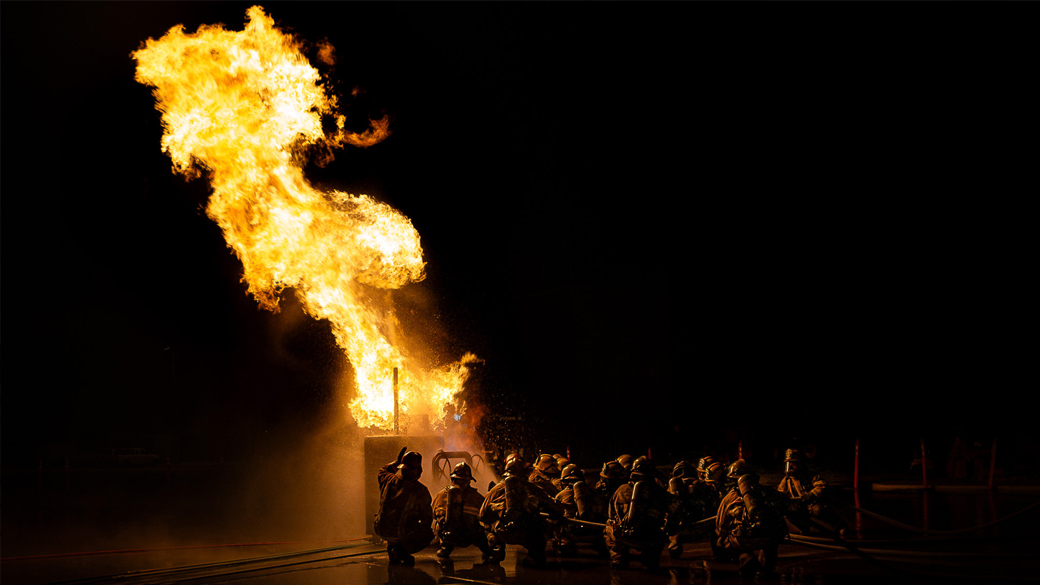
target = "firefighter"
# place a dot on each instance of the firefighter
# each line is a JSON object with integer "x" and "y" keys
{"x": 455, "y": 511}
{"x": 806, "y": 498}
{"x": 511, "y": 513}
{"x": 561, "y": 463}
{"x": 512, "y": 457}
{"x": 713, "y": 480}
{"x": 405, "y": 516}
{"x": 681, "y": 487}
{"x": 543, "y": 474}
{"x": 750, "y": 529}
{"x": 698, "y": 499}
{"x": 612, "y": 476}
{"x": 626, "y": 461}
{"x": 702, "y": 466}
{"x": 730, "y": 493}
{"x": 579, "y": 501}
{"x": 636, "y": 518}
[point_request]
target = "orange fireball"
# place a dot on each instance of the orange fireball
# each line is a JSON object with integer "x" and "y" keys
{"x": 243, "y": 106}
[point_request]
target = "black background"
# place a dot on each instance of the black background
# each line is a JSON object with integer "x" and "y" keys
{"x": 661, "y": 225}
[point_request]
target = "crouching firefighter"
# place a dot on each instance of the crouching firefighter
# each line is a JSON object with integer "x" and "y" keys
{"x": 807, "y": 499}
{"x": 455, "y": 515}
{"x": 511, "y": 513}
{"x": 698, "y": 500}
{"x": 636, "y": 518}
{"x": 750, "y": 529}
{"x": 405, "y": 518}
{"x": 582, "y": 503}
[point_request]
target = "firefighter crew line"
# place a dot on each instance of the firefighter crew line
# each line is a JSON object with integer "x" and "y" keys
{"x": 631, "y": 513}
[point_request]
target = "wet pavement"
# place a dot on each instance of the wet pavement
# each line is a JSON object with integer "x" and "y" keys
{"x": 1006, "y": 552}
{"x": 965, "y": 562}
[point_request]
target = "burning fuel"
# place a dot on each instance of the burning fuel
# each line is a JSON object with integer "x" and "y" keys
{"x": 244, "y": 107}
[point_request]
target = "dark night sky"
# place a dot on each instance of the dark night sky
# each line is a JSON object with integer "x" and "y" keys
{"x": 640, "y": 215}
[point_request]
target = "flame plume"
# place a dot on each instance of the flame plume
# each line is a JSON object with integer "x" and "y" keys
{"x": 244, "y": 106}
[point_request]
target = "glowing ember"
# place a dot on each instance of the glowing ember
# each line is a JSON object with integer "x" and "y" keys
{"x": 244, "y": 106}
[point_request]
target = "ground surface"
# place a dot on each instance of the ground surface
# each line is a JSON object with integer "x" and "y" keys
{"x": 797, "y": 565}
{"x": 54, "y": 535}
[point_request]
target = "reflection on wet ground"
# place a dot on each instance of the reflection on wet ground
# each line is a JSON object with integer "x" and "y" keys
{"x": 1005, "y": 552}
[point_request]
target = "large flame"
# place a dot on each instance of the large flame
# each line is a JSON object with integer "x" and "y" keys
{"x": 245, "y": 106}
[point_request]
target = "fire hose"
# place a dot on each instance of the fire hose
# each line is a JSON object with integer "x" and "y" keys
{"x": 856, "y": 551}
{"x": 912, "y": 528}
{"x": 601, "y": 525}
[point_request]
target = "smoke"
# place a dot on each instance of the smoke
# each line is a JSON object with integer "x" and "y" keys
{"x": 304, "y": 485}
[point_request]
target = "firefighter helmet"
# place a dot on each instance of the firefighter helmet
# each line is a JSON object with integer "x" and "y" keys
{"x": 625, "y": 461}
{"x": 612, "y": 470}
{"x": 643, "y": 469}
{"x": 792, "y": 455}
{"x": 737, "y": 469}
{"x": 411, "y": 460}
{"x": 681, "y": 469}
{"x": 704, "y": 463}
{"x": 747, "y": 482}
{"x": 714, "y": 472}
{"x": 462, "y": 471}
{"x": 572, "y": 473}
{"x": 547, "y": 464}
{"x": 562, "y": 462}
{"x": 515, "y": 465}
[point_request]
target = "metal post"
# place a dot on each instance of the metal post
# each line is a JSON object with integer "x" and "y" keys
{"x": 859, "y": 517}
{"x": 397, "y": 411}
{"x": 924, "y": 466}
{"x": 992, "y": 463}
{"x": 925, "y": 494}
{"x": 855, "y": 469}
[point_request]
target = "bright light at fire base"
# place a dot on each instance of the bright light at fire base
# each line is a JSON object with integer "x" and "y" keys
{"x": 244, "y": 106}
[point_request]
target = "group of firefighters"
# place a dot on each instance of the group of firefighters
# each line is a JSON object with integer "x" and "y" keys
{"x": 632, "y": 511}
